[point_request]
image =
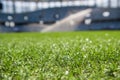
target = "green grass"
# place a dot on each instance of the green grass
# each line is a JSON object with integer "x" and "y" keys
{"x": 92, "y": 55}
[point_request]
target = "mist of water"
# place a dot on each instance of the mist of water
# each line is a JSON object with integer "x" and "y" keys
{"x": 69, "y": 23}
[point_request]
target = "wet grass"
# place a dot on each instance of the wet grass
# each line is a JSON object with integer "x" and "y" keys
{"x": 92, "y": 55}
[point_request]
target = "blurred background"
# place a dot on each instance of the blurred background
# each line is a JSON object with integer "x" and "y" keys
{"x": 59, "y": 15}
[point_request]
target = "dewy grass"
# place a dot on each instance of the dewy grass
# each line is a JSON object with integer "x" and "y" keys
{"x": 91, "y": 55}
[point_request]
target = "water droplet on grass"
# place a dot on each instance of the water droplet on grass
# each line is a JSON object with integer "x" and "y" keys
{"x": 66, "y": 72}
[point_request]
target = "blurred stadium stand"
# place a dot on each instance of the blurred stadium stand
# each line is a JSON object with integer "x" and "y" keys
{"x": 17, "y": 14}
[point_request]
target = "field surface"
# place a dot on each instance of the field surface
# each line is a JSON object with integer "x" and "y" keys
{"x": 91, "y": 55}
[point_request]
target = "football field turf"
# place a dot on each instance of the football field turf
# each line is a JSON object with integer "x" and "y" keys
{"x": 85, "y": 55}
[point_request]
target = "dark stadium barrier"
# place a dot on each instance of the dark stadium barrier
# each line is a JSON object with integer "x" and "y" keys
{"x": 1, "y": 6}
